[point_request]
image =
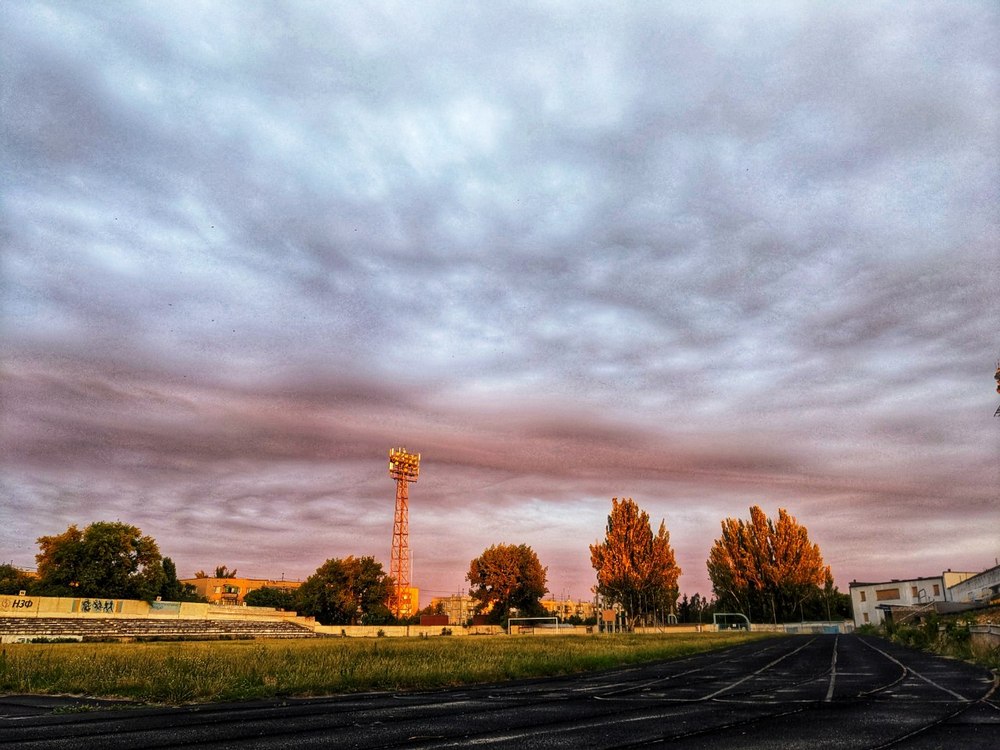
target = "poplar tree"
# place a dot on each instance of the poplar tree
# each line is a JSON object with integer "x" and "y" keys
{"x": 635, "y": 568}
{"x": 766, "y": 569}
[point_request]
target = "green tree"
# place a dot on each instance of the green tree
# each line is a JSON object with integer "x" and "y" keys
{"x": 346, "y": 591}
{"x": 173, "y": 590}
{"x": 635, "y": 568}
{"x": 766, "y": 569}
{"x": 827, "y": 604}
{"x": 107, "y": 559}
{"x": 13, "y": 580}
{"x": 222, "y": 571}
{"x": 695, "y": 609}
{"x": 271, "y": 597}
{"x": 507, "y": 577}
{"x": 432, "y": 609}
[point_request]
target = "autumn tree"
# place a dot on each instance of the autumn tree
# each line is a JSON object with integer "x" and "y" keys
{"x": 507, "y": 577}
{"x": 346, "y": 591}
{"x": 635, "y": 568}
{"x": 106, "y": 559}
{"x": 766, "y": 569}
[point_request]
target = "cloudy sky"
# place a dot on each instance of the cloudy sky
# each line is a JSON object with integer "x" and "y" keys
{"x": 701, "y": 255}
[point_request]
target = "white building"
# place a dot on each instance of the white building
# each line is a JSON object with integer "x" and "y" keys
{"x": 979, "y": 589}
{"x": 868, "y": 600}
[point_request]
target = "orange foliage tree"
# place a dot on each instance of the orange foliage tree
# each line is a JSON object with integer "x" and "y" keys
{"x": 766, "y": 569}
{"x": 635, "y": 568}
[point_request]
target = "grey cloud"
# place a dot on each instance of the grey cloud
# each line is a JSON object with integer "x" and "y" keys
{"x": 715, "y": 257}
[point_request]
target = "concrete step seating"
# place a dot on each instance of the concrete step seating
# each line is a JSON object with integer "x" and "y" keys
{"x": 108, "y": 628}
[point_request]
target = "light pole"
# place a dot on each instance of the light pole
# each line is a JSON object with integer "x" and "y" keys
{"x": 404, "y": 467}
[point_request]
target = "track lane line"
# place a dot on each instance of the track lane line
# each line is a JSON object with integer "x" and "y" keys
{"x": 767, "y": 666}
{"x": 909, "y": 670}
{"x": 833, "y": 670}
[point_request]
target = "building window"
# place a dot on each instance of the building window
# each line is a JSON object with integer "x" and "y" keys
{"x": 913, "y": 592}
{"x": 885, "y": 594}
{"x": 863, "y": 597}
{"x": 865, "y": 615}
{"x": 937, "y": 590}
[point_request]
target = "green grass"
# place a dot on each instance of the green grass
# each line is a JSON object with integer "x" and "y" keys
{"x": 175, "y": 673}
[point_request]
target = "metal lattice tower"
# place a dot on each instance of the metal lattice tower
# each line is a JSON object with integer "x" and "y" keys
{"x": 404, "y": 467}
{"x": 997, "y": 376}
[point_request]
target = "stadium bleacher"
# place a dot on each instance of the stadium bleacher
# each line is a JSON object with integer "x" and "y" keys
{"x": 128, "y": 629}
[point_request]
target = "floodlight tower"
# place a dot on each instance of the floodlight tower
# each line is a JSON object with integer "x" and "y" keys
{"x": 997, "y": 376}
{"x": 404, "y": 467}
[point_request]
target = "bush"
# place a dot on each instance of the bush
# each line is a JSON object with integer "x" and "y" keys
{"x": 951, "y": 638}
{"x": 271, "y": 597}
{"x": 914, "y": 637}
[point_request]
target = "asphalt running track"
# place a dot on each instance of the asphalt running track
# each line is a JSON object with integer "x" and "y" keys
{"x": 822, "y": 691}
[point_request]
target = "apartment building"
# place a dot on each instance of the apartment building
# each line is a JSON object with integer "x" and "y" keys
{"x": 870, "y": 601}
{"x": 232, "y": 591}
{"x": 566, "y": 608}
{"x": 978, "y": 589}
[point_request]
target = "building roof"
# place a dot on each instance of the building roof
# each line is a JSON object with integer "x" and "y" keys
{"x": 854, "y": 584}
{"x": 971, "y": 580}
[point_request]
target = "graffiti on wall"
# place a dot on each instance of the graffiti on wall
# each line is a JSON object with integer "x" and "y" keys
{"x": 97, "y": 606}
{"x": 11, "y": 602}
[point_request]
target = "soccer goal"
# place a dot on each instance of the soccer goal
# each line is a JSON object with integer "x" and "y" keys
{"x": 527, "y": 625}
{"x": 730, "y": 621}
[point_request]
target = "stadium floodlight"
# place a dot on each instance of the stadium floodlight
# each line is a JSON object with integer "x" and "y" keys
{"x": 404, "y": 467}
{"x": 997, "y": 377}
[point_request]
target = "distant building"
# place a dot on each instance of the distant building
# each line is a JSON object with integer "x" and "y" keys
{"x": 457, "y": 607}
{"x": 460, "y": 608}
{"x": 232, "y": 591}
{"x": 567, "y": 608}
{"x": 870, "y": 601}
{"x": 414, "y": 602}
{"x": 979, "y": 589}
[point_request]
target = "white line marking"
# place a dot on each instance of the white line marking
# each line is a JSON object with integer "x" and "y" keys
{"x": 833, "y": 670}
{"x": 928, "y": 680}
{"x": 754, "y": 674}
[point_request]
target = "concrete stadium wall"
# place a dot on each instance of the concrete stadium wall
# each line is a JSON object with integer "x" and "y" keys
{"x": 985, "y": 636}
{"x": 403, "y": 631}
{"x": 52, "y": 606}
{"x": 396, "y": 631}
{"x": 845, "y": 626}
{"x": 686, "y": 628}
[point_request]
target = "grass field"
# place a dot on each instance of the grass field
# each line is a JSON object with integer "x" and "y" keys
{"x": 174, "y": 673}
